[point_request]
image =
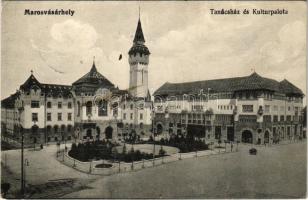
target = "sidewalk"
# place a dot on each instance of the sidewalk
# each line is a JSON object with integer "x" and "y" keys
{"x": 123, "y": 167}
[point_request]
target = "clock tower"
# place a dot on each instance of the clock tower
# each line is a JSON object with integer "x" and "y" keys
{"x": 138, "y": 62}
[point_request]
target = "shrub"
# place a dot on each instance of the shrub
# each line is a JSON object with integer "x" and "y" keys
{"x": 162, "y": 152}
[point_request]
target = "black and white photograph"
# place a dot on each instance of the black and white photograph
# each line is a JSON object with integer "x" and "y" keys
{"x": 153, "y": 99}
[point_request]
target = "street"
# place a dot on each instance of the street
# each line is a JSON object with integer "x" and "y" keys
{"x": 275, "y": 172}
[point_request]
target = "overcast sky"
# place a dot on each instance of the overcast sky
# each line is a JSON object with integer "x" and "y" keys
{"x": 187, "y": 43}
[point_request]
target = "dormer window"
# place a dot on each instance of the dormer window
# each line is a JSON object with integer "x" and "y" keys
{"x": 59, "y": 105}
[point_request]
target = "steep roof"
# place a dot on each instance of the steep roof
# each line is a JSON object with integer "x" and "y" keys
{"x": 31, "y": 81}
{"x": 94, "y": 78}
{"x": 139, "y": 33}
{"x": 252, "y": 82}
{"x": 57, "y": 90}
{"x": 289, "y": 88}
{"x": 9, "y": 102}
{"x": 138, "y": 46}
{"x": 48, "y": 89}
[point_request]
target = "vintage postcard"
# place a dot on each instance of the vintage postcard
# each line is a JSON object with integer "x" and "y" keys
{"x": 153, "y": 99}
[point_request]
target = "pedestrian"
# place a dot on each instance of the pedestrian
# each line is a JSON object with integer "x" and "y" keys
{"x": 231, "y": 146}
{"x": 41, "y": 146}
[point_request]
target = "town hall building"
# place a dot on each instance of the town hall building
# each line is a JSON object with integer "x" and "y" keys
{"x": 89, "y": 109}
{"x": 249, "y": 109}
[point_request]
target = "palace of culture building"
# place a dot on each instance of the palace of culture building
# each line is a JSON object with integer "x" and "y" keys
{"x": 250, "y": 109}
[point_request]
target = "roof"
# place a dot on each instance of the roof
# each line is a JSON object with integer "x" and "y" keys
{"x": 93, "y": 78}
{"x": 289, "y": 88}
{"x": 138, "y": 46}
{"x": 30, "y": 82}
{"x": 251, "y": 82}
{"x": 57, "y": 90}
{"x": 139, "y": 33}
{"x": 9, "y": 102}
{"x": 48, "y": 89}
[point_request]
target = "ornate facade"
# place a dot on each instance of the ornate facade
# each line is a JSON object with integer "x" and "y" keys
{"x": 91, "y": 108}
{"x": 250, "y": 109}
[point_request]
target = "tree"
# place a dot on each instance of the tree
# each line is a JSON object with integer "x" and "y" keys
{"x": 124, "y": 149}
{"x": 161, "y": 152}
{"x": 219, "y": 142}
{"x": 5, "y": 187}
{"x": 114, "y": 153}
{"x": 305, "y": 116}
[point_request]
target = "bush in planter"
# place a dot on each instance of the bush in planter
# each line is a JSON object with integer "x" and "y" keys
{"x": 162, "y": 152}
{"x": 219, "y": 142}
{"x": 253, "y": 151}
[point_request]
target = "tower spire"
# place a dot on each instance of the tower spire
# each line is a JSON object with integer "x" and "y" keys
{"x": 139, "y": 10}
{"x": 93, "y": 69}
{"x": 139, "y": 33}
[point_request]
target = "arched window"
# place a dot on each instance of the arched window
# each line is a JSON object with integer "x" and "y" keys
{"x": 62, "y": 128}
{"x": 102, "y": 108}
{"x": 48, "y": 129}
{"x": 89, "y": 108}
{"x": 141, "y": 125}
{"x": 78, "y": 109}
{"x": 56, "y": 128}
{"x": 69, "y": 128}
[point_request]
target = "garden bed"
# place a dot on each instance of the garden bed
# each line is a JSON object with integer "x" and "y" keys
{"x": 103, "y": 165}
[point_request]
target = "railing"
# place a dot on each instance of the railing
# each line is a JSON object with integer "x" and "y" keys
{"x": 122, "y": 167}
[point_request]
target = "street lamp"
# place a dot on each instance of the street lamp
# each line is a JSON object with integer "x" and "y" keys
{"x": 115, "y": 115}
{"x": 90, "y": 168}
{"x": 20, "y": 109}
{"x": 26, "y": 163}
{"x": 153, "y": 132}
{"x": 208, "y": 94}
{"x": 166, "y": 118}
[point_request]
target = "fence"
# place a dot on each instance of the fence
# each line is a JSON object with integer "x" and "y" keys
{"x": 122, "y": 167}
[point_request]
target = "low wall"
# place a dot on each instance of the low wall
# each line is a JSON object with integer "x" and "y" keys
{"x": 122, "y": 167}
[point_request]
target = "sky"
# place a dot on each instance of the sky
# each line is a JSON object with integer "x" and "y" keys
{"x": 187, "y": 42}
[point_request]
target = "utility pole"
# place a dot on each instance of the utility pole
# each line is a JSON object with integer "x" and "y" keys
{"x": 22, "y": 164}
{"x": 22, "y": 189}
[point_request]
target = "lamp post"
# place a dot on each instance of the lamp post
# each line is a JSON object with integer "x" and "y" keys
{"x": 208, "y": 94}
{"x": 166, "y": 118}
{"x": 22, "y": 163}
{"x": 20, "y": 109}
{"x": 26, "y": 163}
{"x": 115, "y": 115}
{"x": 90, "y": 168}
{"x": 132, "y": 155}
{"x": 153, "y": 132}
